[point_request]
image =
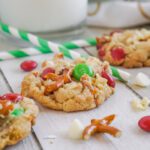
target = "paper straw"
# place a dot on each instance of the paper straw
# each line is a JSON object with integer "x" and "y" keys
{"x": 24, "y": 52}
{"x": 80, "y": 43}
{"x": 120, "y": 74}
{"x": 40, "y": 42}
{"x": 20, "y": 53}
{"x": 46, "y": 47}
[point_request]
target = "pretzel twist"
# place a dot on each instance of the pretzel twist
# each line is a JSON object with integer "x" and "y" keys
{"x": 101, "y": 126}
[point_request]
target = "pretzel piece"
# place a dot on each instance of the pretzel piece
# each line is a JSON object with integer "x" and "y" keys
{"x": 92, "y": 129}
{"x": 101, "y": 126}
{"x": 6, "y": 107}
{"x": 51, "y": 76}
{"x": 89, "y": 131}
{"x": 59, "y": 81}
{"x": 106, "y": 120}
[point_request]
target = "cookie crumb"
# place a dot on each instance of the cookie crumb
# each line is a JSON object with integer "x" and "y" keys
{"x": 140, "y": 105}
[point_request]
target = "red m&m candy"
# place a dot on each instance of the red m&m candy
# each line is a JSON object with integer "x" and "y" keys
{"x": 47, "y": 71}
{"x": 28, "y": 65}
{"x": 118, "y": 53}
{"x": 12, "y": 97}
{"x": 110, "y": 79}
{"x": 144, "y": 123}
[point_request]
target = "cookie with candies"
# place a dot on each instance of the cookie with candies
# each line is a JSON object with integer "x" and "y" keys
{"x": 129, "y": 48}
{"x": 77, "y": 85}
{"x": 17, "y": 115}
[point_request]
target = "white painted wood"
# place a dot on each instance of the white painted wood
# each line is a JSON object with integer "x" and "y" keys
{"x": 27, "y": 144}
{"x": 91, "y": 51}
{"x": 57, "y": 123}
{"x": 3, "y": 87}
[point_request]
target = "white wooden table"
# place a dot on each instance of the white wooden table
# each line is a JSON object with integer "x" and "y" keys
{"x": 51, "y": 122}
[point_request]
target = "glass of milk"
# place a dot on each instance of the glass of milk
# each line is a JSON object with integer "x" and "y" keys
{"x": 44, "y": 15}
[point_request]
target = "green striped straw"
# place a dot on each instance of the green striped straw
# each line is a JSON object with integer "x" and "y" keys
{"x": 80, "y": 43}
{"x": 20, "y": 53}
{"x": 46, "y": 47}
{"x": 40, "y": 42}
{"x": 120, "y": 74}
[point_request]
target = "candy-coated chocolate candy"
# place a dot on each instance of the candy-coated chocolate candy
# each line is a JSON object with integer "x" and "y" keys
{"x": 5, "y": 107}
{"x": 14, "y": 97}
{"x": 118, "y": 53}
{"x": 110, "y": 79}
{"x": 17, "y": 112}
{"x": 81, "y": 69}
{"x": 28, "y": 65}
{"x": 144, "y": 123}
{"x": 47, "y": 71}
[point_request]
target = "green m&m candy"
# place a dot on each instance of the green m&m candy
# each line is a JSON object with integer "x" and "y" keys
{"x": 17, "y": 112}
{"x": 81, "y": 69}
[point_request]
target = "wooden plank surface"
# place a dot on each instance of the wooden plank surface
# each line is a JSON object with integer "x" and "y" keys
{"x": 53, "y": 122}
{"x": 56, "y": 123}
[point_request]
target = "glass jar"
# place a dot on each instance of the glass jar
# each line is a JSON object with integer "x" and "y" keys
{"x": 44, "y": 15}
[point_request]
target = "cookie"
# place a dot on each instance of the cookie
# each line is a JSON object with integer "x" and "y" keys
{"x": 129, "y": 48}
{"x": 17, "y": 115}
{"x": 70, "y": 86}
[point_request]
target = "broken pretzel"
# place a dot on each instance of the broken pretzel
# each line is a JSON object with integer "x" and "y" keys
{"x": 101, "y": 126}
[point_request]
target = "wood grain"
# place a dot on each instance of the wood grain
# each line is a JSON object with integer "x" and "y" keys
{"x": 57, "y": 123}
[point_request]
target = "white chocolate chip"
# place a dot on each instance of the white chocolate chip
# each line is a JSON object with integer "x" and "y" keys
{"x": 75, "y": 130}
{"x": 145, "y": 102}
{"x": 142, "y": 80}
{"x": 136, "y": 105}
{"x": 140, "y": 105}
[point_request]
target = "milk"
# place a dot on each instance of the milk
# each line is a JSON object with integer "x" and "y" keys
{"x": 43, "y": 15}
